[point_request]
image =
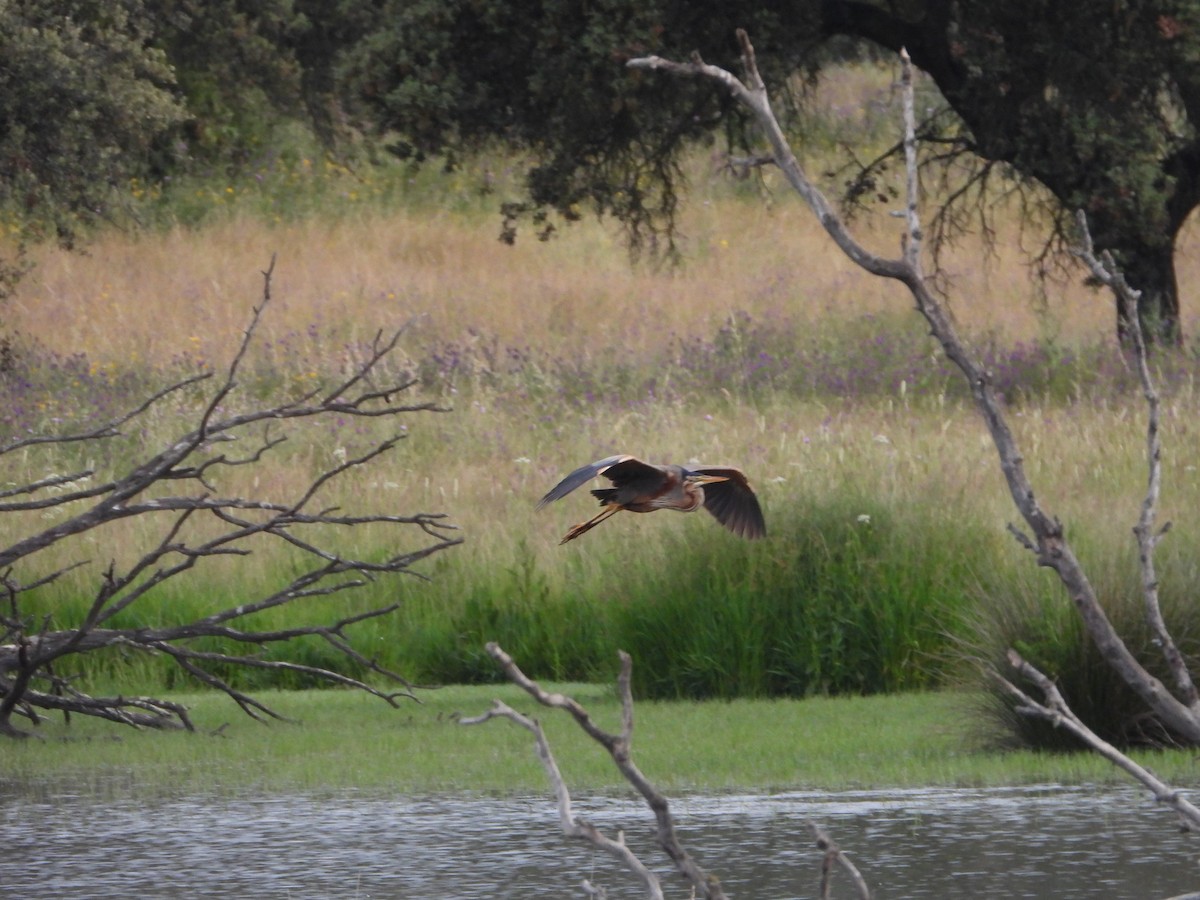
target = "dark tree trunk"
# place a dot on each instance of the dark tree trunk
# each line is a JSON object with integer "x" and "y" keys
{"x": 1078, "y": 131}
{"x": 1151, "y": 270}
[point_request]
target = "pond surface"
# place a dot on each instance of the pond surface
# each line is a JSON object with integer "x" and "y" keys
{"x": 1038, "y": 842}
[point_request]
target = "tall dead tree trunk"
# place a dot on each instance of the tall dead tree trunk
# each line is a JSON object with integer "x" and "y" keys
{"x": 1176, "y": 706}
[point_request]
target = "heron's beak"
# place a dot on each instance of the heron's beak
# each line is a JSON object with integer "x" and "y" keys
{"x": 707, "y": 479}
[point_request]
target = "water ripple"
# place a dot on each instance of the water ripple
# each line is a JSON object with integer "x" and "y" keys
{"x": 1010, "y": 843}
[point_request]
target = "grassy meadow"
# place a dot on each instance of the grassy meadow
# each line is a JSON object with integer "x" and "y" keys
{"x": 887, "y": 557}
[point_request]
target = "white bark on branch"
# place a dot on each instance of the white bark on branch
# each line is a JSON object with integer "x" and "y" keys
{"x": 1106, "y": 271}
{"x": 1046, "y": 533}
{"x": 1055, "y": 710}
{"x": 703, "y": 884}
{"x": 619, "y": 747}
{"x": 572, "y": 826}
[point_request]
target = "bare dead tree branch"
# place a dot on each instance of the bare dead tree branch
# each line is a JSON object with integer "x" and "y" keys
{"x": 1105, "y": 270}
{"x": 619, "y": 747}
{"x": 835, "y": 856}
{"x": 138, "y": 712}
{"x": 1054, "y": 709}
{"x": 1045, "y": 530}
{"x": 202, "y": 524}
{"x": 703, "y": 883}
{"x": 572, "y": 825}
{"x": 111, "y": 429}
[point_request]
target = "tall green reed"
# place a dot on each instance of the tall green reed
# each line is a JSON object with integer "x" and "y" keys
{"x": 839, "y": 599}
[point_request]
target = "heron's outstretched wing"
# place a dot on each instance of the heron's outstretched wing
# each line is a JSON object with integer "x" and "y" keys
{"x": 620, "y": 469}
{"x": 733, "y": 502}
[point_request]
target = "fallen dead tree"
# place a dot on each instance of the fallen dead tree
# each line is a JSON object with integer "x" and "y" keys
{"x": 177, "y": 486}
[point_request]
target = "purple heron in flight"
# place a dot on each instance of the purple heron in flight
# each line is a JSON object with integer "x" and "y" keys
{"x": 641, "y": 487}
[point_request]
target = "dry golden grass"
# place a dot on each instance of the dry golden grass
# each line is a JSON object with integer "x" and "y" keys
{"x": 154, "y": 296}
{"x": 157, "y": 295}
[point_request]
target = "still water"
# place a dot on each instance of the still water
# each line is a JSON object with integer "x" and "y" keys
{"x": 1035, "y": 842}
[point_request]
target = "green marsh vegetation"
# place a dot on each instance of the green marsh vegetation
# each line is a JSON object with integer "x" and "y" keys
{"x": 887, "y": 556}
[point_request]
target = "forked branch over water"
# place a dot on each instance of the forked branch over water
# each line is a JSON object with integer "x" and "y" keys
{"x": 619, "y": 747}
{"x": 1054, "y": 709}
{"x": 199, "y": 524}
{"x": 572, "y": 825}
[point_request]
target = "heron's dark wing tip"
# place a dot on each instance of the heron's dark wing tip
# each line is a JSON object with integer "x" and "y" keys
{"x": 580, "y": 476}
{"x": 733, "y": 502}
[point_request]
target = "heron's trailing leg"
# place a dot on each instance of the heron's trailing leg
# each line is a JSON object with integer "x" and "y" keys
{"x": 591, "y": 523}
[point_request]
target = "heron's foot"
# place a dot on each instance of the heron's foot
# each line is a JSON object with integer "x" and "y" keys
{"x": 577, "y": 530}
{"x": 589, "y": 524}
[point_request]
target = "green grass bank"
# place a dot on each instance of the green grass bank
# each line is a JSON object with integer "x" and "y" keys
{"x": 342, "y": 741}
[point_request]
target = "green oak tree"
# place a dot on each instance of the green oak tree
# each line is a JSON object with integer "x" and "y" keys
{"x": 84, "y": 95}
{"x": 1097, "y": 101}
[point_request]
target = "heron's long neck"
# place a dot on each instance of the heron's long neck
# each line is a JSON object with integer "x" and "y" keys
{"x": 695, "y": 497}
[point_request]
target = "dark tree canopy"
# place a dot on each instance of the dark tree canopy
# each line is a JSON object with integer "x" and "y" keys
{"x": 1094, "y": 100}
{"x": 83, "y": 95}
{"x": 446, "y": 77}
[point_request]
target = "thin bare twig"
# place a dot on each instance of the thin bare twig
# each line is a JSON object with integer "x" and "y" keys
{"x": 175, "y": 481}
